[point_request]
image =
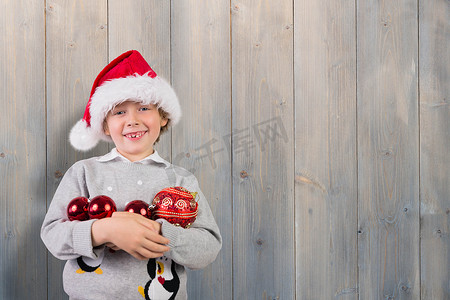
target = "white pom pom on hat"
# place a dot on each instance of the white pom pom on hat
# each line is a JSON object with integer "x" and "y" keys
{"x": 128, "y": 77}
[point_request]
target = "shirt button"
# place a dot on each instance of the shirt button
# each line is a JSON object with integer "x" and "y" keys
{"x": 139, "y": 182}
{"x": 109, "y": 188}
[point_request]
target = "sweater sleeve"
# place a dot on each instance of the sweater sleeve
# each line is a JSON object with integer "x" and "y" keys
{"x": 63, "y": 238}
{"x": 197, "y": 246}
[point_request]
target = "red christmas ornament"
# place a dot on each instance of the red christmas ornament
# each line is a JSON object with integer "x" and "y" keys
{"x": 175, "y": 204}
{"x": 78, "y": 209}
{"x": 138, "y": 207}
{"x": 101, "y": 207}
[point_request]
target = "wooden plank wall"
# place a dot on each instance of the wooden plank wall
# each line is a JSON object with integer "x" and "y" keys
{"x": 262, "y": 150}
{"x": 22, "y": 151}
{"x": 319, "y": 131}
{"x": 434, "y": 112}
{"x": 388, "y": 150}
{"x": 326, "y": 147}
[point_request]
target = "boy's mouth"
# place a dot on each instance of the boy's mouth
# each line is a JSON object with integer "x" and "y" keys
{"x": 135, "y": 135}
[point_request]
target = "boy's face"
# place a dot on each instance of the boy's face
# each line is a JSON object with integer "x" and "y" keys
{"x": 134, "y": 128}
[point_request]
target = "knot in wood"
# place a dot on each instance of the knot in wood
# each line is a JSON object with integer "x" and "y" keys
{"x": 244, "y": 174}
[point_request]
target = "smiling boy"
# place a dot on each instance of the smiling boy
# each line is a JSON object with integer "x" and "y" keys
{"x": 134, "y": 128}
{"x": 127, "y": 256}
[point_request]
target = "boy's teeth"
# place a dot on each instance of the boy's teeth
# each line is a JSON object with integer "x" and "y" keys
{"x": 135, "y": 135}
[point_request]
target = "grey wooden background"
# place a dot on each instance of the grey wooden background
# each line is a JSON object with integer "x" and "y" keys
{"x": 319, "y": 131}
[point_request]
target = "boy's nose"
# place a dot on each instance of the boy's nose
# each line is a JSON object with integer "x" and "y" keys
{"x": 132, "y": 123}
{"x": 132, "y": 120}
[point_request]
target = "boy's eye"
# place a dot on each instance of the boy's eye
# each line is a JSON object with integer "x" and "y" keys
{"x": 120, "y": 112}
{"x": 145, "y": 108}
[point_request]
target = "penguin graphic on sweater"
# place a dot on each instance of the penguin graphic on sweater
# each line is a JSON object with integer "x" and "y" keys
{"x": 164, "y": 281}
{"x": 87, "y": 264}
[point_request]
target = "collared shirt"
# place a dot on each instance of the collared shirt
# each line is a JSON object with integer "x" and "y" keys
{"x": 114, "y": 155}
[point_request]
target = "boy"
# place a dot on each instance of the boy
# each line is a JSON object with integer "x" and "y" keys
{"x": 127, "y": 256}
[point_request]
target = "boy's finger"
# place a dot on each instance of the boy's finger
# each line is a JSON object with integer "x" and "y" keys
{"x": 157, "y": 238}
{"x": 117, "y": 214}
{"x": 155, "y": 247}
{"x": 150, "y": 254}
{"x": 147, "y": 223}
{"x": 138, "y": 256}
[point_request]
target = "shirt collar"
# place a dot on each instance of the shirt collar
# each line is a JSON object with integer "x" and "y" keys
{"x": 114, "y": 155}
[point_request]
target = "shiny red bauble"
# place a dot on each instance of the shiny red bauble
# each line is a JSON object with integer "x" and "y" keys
{"x": 138, "y": 207}
{"x": 101, "y": 207}
{"x": 177, "y": 205}
{"x": 78, "y": 209}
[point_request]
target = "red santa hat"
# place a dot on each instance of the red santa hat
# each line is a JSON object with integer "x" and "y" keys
{"x": 128, "y": 77}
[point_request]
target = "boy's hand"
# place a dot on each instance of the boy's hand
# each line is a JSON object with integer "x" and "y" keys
{"x": 132, "y": 233}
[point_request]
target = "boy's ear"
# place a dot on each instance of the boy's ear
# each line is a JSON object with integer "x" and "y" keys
{"x": 164, "y": 122}
{"x": 105, "y": 128}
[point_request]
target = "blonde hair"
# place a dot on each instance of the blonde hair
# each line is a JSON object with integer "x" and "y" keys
{"x": 164, "y": 115}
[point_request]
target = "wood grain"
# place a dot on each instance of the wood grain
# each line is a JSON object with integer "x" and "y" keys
{"x": 325, "y": 140}
{"x": 22, "y": 151}
{"x": 388, "y": 150}
{"x": 434, "y": 70}
{"x": 201, "y": 76}
{"x": 76, "y": 53}
{"x": 263, "y": 150}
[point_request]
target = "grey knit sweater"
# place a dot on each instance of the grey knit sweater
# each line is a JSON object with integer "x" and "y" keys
{"x": 100, "y": 273}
